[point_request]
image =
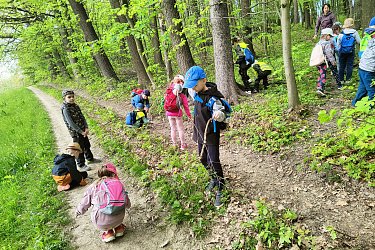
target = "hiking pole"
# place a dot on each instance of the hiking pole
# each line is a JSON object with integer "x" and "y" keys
{"x": 205, "y": 137}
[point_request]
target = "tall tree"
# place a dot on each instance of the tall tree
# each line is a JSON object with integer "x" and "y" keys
{"x": 295, "y": 12}
{"x": 158, "y": 59}
{"x": 306, "y": 15}
{"x": 367, "y": 12}
{"x": 179, "y": 41}
{"x": 247, "y": 29}
{"x": 99, "y": 55}
{"x": 224, "y": 68}
{"x": 293, "y": 99}
{"x": 143, "y": 78}
{"x": 68, "y": 48}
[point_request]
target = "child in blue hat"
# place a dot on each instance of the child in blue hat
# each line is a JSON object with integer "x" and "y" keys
{"x": 203, "y": 133}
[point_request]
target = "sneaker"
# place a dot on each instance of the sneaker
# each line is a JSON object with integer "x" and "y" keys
{"x": 218, "y": 203}
{"x": 93, "y": 160}
{"x": 340, "y": 87}
{"x": 84, "y": 168}
{"x": 320, "y": 92}
{"x": 63, "y": 188}
{"x": 211, "y": 185}
{"x": 183, "y": 146}
{"x": 119, "y": 230}
{"x": 108, "y": 236}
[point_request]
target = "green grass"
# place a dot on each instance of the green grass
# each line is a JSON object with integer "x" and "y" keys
{"x": 32, "y": 213}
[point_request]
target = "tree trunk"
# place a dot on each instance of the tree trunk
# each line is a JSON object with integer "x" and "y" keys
{"x": 306, "y": 11}
{"x": 293, "y": 99}
{"x": 264, "y": 28}
{"x": 168, "y": 63}
{"x": 224, "y": 68}
{"x": 72, "y": 59}
{"x": 367, "y": 12}
{"x": 295, "y": 12}
{"x": 245, "y": 12}
{"x": 60, "y": 64}
{"x": 158, "y": 59}
{"x": 183, "y": 54}
{"x": 91, "y": 37}
{"x": 143, "y": 78}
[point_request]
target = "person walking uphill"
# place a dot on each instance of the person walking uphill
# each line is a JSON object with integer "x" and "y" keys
{"x": 78, "y": 128}
{"x": 203, "y": 133}
{"x": 245, "y": 60}
{"x": 326, "y": 20}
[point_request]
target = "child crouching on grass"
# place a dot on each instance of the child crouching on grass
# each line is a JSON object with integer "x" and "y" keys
{"x": 329, "y": 53}
{"x": 109, "y": 200}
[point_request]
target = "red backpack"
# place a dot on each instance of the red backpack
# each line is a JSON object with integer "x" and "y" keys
{"x": 136, "y": 92}
{"x": 172, "y": 102}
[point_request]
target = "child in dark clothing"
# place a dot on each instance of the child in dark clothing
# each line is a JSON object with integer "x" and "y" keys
{"x": 78, "y": 128}
{"x": 263, "y": 70}
{"x": 143, "y": 99}
{"x": 203, "y": 133}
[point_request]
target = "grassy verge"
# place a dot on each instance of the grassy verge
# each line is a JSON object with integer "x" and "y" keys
{"x": 32, "y": 214}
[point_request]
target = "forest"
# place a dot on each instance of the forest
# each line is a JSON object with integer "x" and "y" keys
{"x": 299, "y": 167}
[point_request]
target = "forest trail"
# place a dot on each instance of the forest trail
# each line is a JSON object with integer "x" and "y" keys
{"x": 347, "y": 206}
{"x": 145, "y": 229}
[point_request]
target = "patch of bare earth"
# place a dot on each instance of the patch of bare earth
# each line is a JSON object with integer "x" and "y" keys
{"x": 284, "y": 181}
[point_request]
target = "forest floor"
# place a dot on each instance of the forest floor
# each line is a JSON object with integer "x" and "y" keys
{"x": 281, "y": 179}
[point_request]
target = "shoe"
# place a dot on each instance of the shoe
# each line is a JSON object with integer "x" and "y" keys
{"x": 255, "y": 91}
{"x": 120, "y": 230}
{"x": 63, "y": 188}
{"x": 320, "y": 92}
{"x": 218, "y": 203}
{"x": 93, "y": 160}
{"x": 84, "y": 168}
{"x": 248, "y": 92}
{"x": 340, "y": 87}
{"x": 183, "y": 146}
{"x": 213, "y": 183}
{"x": 108, "y": 236}
{"x": 250, "y": 81}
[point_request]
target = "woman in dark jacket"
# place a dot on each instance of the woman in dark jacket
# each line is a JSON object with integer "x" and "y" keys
{"x": 326, "y": 20}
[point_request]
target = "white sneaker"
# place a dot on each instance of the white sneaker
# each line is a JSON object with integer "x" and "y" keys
{"x": 84, "y": 168}
{"x": 320, "y": 92}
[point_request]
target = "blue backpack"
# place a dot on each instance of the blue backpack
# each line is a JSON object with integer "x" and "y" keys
{"x": 210, "y": 104}
{"x": 249, "y": 57}
{"x": 130, "y": 118}
{"x": 347, "y": 44}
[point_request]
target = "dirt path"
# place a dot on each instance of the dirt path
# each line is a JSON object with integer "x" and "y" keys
{"x": 348, "y": 206}
{"x": 146, "y": 229}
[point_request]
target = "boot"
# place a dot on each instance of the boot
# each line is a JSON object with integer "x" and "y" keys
{"x": 218, "y": 203}
{"x": 213, "y": 183}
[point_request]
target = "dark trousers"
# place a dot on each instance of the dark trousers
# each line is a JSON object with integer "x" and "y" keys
{"x": 85, "y": 145}
{"x": 210, "y": 160}
{"x": 346, "y": 64}
{"x": 262, "y": 75}
{"x": 243, "y": 73}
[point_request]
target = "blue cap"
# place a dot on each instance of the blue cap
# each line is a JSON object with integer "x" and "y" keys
{"x": 372, "y": 22}
{"x": 146, "y": 92}
{"x": 192, "y": 76}
{"x": 139, "y": 105}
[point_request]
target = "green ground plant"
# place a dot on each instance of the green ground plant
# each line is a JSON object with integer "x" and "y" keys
{"x": 32, "y": 214}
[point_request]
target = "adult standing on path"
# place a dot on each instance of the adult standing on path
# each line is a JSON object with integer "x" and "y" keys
{"x": 326, "y": 20}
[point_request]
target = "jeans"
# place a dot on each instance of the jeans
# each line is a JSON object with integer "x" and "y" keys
{"x": 210, "y": 160}
{"x": 85, "y": 145}
{"x": 346, "y": 63}
{"x": 176, "y": 124}
{"x": 364, "y": 87}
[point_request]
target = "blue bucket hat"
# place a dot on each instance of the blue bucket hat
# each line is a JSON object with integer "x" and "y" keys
{"x": 193, "y": 75}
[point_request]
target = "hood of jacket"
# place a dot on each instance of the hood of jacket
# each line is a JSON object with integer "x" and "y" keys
{"x": 60, "y": 158}
{"x": 212, "y": 90}
{"x": 369, "y": 30}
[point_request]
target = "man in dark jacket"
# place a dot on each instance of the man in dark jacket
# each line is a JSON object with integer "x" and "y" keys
{"x": 204, "y": 133}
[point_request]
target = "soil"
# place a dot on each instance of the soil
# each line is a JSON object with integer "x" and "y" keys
{"x": 281, "y": 179}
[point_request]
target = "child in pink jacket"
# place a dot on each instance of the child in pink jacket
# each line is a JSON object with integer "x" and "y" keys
{"x": 175, "y": 116}
{"x": 110, "y": 224}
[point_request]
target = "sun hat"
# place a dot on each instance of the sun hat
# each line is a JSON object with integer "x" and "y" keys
{"x": 181, "y": 77}
{"x": 338, "y": 24}
{"x": 372, "y": 23}
{"x": 110, "y": 167}
{"x": 348, "y": 23}
{"x": 327, "y": 31}
{"x": 74, "y": 146}
{"x": 66, "y": 92}
{"x": 146, "y": 92}
{"x": 193, "y": 75}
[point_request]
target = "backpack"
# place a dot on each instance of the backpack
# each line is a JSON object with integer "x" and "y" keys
{"x": 110, "y": 196}
{"x": 347, "y": 43}
{"x": 136, "y": 91}
{"x": 317, "y": 55}
{"x": 172, "y": 102}
{"x": 249, "y": 57}
{"x": 210, "y": 104}
{"x": 130, "y": 118}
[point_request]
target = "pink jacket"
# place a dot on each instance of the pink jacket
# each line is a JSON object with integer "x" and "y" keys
{"x": 179, "y": 113}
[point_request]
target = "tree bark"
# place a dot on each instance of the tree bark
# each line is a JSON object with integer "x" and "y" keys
{"x": 72, "y": 59}
{"x": 60, "y": 64}
{"x": 306, "y": 11}
{"x": 245, "y": 11}
{"x": 158, "y": 59}
{"x": 101, "y": 58}
{"x": 179, "y": 41}
{"x": 293, "y": 99}
{"x": 367, "y": 12}
{"x": 224, "y": 68}
{"x": 143, "y": 78}
{"x": 295, "y": 12}
{"x": 168, "y": 63}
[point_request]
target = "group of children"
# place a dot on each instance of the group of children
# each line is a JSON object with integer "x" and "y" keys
{"x": 339, "y": 52}
{"x": 107, "y": 195}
